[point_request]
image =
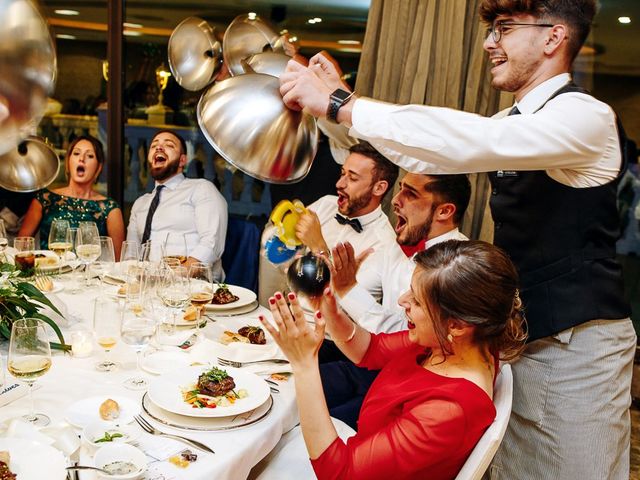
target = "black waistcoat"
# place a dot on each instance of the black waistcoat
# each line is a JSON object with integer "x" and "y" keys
{"x": 562, "y": 240}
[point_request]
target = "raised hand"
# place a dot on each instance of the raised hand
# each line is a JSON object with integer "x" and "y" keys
{"x": 298, "y": 340}
{"x": 302, "y": 89}
{"x": 345, "y": 266}
{"x": 326, "y": 67}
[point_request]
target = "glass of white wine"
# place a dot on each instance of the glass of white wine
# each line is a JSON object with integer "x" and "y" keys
{"x": 58, "y": 240}
{"x": 88, "y": 245}
{"x": 137, "y": 329}
{"x": 200, "y": 289}
{"x": 29, "y": 358}
{"x": 107, "y": 320}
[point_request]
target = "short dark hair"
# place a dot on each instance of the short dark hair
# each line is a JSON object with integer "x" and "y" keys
{"x": 576, "y": 14}
{"x": 383, "y": 169}
{"x": 454, "y": 189}
{"x": 183, "y": 144}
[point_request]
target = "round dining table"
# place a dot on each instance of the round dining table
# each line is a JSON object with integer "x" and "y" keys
{"x": 69, "y": 392}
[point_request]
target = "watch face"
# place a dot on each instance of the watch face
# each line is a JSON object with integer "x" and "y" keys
{"x": 340, "y": 94}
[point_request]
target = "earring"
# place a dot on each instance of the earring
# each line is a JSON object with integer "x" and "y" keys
{"x": 450, "y": 338}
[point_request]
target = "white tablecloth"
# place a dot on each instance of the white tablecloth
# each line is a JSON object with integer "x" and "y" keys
{"x": 71, "y": 379}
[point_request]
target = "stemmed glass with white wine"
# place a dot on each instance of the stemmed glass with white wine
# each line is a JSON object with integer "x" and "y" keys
{"x": 29, "y": 358}
{"x": 200, "y": 288}
{"x": 107, "y": 322}
{"x": 58, "y": 241}
{"x": 88, "y": 247}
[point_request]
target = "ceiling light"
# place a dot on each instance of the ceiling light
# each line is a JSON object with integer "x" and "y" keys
{"x": 349, "y": 42}
{"x": 132, "y": 25}
{"x": 624, "y": 19}
{"x": 67, "y": 12}
{"x": 132, "y": 33}
{"x": 252, "y": 15}
{"x": 311, "y": 20}
{"x": 65, "y": 36}
{"x": 318, "y": 19}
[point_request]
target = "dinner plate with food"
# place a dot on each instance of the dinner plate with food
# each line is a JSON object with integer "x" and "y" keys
{"x": 242, "y": 331}
{"x": 30, "y": 460}
{"x": 208, "y": 391}
{"x": 227, "y": 297}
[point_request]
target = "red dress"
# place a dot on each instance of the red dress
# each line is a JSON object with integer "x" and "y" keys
{"x": 413, "y": 423}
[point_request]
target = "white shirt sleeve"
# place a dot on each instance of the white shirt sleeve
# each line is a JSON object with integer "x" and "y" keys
{"x": 566, "y": 134}
{"x": 362, "y": 307}
{"x": 132, "y": 228}
{"x": 211, "y": 222}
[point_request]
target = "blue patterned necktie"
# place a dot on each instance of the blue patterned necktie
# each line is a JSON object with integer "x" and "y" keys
{"x": 152, "y": 210}
{"x": 352, "y": 222}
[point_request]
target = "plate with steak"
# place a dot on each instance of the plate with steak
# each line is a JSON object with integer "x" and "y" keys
{"x": 228, "y": 297}
{"x": 212, "y": 391}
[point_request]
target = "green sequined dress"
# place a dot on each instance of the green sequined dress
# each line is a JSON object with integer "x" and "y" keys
{"x": 73, "y": 209}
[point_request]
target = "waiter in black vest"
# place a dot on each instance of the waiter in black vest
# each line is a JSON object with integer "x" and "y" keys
{"x": 556, "y": 158}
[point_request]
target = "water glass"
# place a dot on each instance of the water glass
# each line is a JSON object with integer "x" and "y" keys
{"x": 25, "y": 258}
{"x": 137, "y": 329}
{"x": 88, "y": 245}
{"x": 105, "y": 262}
{"x": 175, "y": 247}
{"x": 107, "y": 323}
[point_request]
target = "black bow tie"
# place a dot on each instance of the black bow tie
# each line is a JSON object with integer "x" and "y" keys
{"x": 353, "y": 222}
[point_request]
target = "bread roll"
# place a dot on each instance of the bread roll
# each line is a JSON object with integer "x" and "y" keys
{"x": 190, "y": 314}
{"x": 109, "y": 410}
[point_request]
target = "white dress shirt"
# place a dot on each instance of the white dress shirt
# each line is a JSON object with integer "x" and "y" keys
{"x": 565, "y": 138}
{"x": 193, "y": 207}
{"x": 387, "y": 273}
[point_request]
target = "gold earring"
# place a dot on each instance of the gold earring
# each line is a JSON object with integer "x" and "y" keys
{"x": 450, "y": 338}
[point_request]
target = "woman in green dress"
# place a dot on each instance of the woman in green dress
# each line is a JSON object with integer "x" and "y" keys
{"x": 78, "y": 201}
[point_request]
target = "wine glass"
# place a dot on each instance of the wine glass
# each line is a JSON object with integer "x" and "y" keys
{"x": 107, "y": 319}
{"x": 4, "y": 242}
{"x": 29, "y": 358}
{"x": 137, "y": 328}
{"x": 105, "y": 262}
{"x": 58, "y": 241}
{"x": 25, "y": 258}
{"x": 72, "y": 260}
{"x": 200, "y": 288}
{"x": 175, "y": 246}
{"x": 129, "y": 255}
{"x": 173, "y": 290}
{"x": 88, "y": 245}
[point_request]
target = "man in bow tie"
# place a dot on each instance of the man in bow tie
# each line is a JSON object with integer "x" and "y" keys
{"x": 354, "y": 215}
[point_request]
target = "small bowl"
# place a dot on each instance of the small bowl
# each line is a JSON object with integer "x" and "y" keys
{"x": 96, "y": 430}
{"x": 121, "y": 452}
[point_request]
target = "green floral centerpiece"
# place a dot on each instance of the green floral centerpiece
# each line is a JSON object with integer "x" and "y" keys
{"x": 21, "y": 299}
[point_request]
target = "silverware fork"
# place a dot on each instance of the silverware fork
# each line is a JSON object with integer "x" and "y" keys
{"x": 233, "y": 363}
{"x": 147, "y": 427}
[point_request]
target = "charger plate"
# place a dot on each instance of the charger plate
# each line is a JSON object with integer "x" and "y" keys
{"x": 205, "y": 424}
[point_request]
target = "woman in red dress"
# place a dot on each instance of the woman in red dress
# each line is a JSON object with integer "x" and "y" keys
{"x": 432, "y": 401}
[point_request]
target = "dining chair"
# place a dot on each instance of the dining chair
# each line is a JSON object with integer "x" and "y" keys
{"x": 240, "y": 256}
{"x": 485, "y": 449}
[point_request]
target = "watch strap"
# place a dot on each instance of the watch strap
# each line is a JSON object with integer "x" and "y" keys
{"x": 336, "y": 102}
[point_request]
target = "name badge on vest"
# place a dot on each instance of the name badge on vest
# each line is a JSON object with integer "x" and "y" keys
{"x": 506, "y": 173}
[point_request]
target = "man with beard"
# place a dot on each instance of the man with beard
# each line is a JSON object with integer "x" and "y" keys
{"x": 188, "y": 206}
{"x": 428, "y": 209}
{"x": 555, "y": 160}
{"x": 354, "y": 215}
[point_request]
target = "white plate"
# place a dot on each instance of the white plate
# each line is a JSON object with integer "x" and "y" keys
{"x": 34, "y": 461}
{"x": 161, "y": 362}
{"x": 96, "y": 430}
{"x": 86, "y": 411}
{"x": 50, "y": 254}
{"x": 233, "y": 324}
{"x": 57, "y": 287}
{"x": 166, "y": 392}
{"x": 245, "y": 297}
